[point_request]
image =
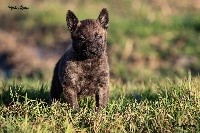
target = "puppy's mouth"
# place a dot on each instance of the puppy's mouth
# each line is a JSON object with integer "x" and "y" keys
{"x": 89, "y": 48}
{"x": 91, "y": 52}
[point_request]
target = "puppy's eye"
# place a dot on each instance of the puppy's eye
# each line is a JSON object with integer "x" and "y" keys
{"x": 97, "y": 36}
{"x": 82, "y": 38}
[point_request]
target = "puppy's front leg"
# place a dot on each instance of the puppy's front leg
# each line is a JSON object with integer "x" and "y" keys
{"x": 102, "y": 97}
{"x": 70, "y": 96}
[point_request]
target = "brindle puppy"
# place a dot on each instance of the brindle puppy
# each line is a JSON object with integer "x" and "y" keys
{"x": 83, "y": 70}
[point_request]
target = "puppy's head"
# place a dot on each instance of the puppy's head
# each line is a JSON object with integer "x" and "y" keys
{"x": 89, "y": 35}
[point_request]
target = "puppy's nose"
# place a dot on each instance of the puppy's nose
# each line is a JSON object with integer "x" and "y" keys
{"x": 90, "y": 41}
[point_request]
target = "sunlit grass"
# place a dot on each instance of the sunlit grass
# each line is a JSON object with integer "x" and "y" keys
{"x": 154, "y": 105}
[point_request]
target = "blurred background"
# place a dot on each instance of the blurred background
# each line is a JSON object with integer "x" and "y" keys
{"x": 146, "y": 38}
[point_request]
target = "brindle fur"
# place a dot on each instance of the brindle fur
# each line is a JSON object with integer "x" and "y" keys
{"x": 83, "y": 70}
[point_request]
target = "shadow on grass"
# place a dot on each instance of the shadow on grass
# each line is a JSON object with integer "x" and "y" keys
{"x": 42, "y": 94}
{"x": 137, "y": 96}
{"x": 12, "y": 93}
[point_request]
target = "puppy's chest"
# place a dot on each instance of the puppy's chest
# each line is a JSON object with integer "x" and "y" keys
{"x": 89, "y": 72}
{"x": 89, "y": 75}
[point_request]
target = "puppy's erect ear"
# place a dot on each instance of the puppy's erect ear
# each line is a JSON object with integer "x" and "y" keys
{"x": 72, "y": 21}
{"x": 103, "y": 18}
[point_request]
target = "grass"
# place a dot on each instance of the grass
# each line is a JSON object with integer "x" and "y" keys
{"x": 154, "y": 105}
